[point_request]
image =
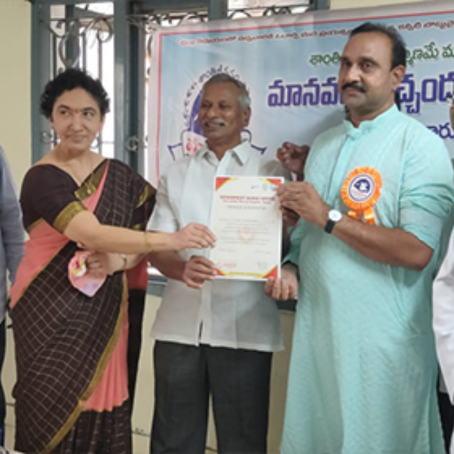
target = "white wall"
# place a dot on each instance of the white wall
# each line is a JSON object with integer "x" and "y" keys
{"x": 15, "y": 81}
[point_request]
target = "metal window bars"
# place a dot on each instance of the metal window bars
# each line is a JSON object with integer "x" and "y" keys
{"x": 112, "y": 40}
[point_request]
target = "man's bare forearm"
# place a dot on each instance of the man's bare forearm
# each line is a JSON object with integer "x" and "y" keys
{"x": 169, "y": 263}
{"x": 385, "y": 245}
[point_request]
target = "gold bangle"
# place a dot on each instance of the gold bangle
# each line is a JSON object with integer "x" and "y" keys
{"x": 125, "y": 261}
{"x": 149, "y": 245}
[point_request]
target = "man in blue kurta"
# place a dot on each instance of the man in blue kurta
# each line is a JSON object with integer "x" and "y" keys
{"x": 377, "y": 193}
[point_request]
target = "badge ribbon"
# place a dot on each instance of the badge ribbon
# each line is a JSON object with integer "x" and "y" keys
{"x": 360, "y": 192}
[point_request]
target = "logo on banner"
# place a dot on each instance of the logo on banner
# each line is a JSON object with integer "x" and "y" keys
{"x": 191, "y": 138}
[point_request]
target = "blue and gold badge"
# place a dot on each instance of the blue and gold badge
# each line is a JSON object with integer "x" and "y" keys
{"x": 360, "y": 192}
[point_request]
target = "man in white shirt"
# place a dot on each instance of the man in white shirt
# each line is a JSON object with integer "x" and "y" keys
{"x": 213, "y": 337}
{"x": 443, "y": 322}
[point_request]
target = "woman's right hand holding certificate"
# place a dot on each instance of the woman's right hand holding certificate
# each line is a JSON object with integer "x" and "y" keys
{"x": 193, "y": 236}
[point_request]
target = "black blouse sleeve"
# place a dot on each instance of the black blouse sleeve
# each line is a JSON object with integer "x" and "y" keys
{"x": 49, "y": 193}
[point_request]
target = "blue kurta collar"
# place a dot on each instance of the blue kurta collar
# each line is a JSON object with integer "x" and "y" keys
{"x": 369, "y": 125}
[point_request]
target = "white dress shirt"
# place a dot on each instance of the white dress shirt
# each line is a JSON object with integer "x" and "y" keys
{"x": 224, "y": 313}
{"x": 443, "y": 321}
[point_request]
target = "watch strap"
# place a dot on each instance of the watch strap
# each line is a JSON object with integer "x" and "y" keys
{"x": 329, "y": 226}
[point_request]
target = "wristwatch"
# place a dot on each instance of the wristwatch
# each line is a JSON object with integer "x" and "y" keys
{"x": 334, "y": 216}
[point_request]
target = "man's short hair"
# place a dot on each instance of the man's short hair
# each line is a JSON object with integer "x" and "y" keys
{"x": 244, "y": 98}
{"x": 399, "y": 51}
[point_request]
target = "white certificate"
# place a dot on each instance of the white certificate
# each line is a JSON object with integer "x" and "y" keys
{"x": 247, "y": 222}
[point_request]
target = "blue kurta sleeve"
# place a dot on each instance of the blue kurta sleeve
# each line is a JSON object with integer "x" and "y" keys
{"x": 427, "y": 189}
{"x": 293, "y": 254}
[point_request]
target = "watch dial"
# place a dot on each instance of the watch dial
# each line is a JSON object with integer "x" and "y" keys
{"x": 335, "y": 215}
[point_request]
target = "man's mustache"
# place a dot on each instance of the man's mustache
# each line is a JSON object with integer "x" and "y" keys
{"x": 355, "y": 86}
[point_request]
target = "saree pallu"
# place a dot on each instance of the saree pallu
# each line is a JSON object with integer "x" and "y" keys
{"x": 66, "y": 342}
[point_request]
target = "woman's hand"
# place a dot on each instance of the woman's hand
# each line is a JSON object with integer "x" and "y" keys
{"x": 193, "y": 236}
{"x": 104, "y": 263}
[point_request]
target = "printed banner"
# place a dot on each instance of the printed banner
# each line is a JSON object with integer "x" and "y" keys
{"x": 290, "y": 65}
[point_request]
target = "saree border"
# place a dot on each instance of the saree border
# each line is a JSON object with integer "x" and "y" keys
{"x": 67, "y": 214}
{"x": 140, "y": 227}
{"x": 148, "y": 192}
{"x": 34, "y": 224}
{"x": 91, "y": 183}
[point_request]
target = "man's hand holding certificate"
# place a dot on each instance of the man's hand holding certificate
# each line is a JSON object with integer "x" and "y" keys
{"x": 248, "y": 225}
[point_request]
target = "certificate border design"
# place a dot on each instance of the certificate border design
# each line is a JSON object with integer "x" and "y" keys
{"x": 219, "y": 182}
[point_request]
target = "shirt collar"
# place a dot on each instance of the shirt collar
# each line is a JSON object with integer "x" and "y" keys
{"x": 242, "y": 151}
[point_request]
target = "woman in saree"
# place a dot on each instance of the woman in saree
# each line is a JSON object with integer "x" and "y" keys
{"x": 71, "y": 349}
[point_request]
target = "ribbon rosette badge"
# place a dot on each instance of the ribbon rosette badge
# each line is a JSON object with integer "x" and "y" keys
{"x": 361, "y": 191}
